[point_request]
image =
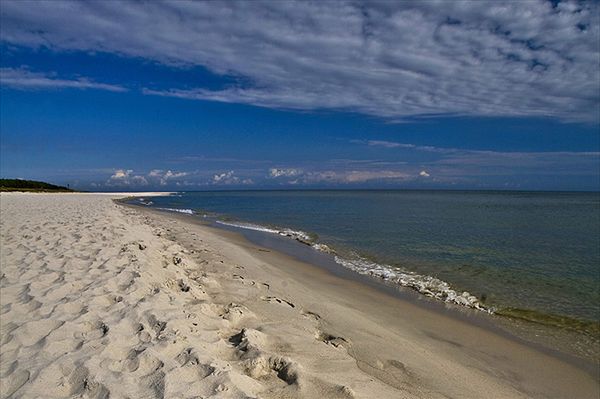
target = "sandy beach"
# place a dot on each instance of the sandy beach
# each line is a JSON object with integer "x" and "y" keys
{"x": 103, "y": 300}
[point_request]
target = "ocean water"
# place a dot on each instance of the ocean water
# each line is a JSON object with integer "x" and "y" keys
{"x": 529, "y": 255}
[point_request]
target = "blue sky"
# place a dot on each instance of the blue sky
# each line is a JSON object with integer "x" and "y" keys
{"x": 205, "y": 96}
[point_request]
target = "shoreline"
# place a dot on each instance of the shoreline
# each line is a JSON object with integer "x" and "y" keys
{"x": 468, "y": 318}
{"x": 119, "y": 299}
{"x": 579, "y": 347}
{"x": 497, "y": 323}
{"x": 303, "y": 253}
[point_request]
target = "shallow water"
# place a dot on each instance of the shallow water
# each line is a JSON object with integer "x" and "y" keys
{"x": 530, "y": 255}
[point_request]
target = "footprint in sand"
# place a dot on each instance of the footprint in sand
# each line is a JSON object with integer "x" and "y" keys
{"x": 274, "y": 299}
{"x": 269, "y": 366}
{"x": 11, "y": 384}
{"x": 72, "y": 381}
{"x": 235, "y": 313}
{"x": 331, "y": 339}
{"x": 93, "y": 330}
{"x": 142, "y": 363}
{"x": 31, "y": 333}
{"x": 192, "y": 369}
{"x": 311, "y": 315}
{"x": 154, "y": 329}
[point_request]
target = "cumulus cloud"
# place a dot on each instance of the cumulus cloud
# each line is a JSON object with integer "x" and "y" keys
{"x": 121, "y": 174}
{"x": 389, "y": 59}
{"x": 126, "y": 177}
{"x": 223, "y": 176}
{"x": 160, "y": 178}
{"x": 163, "y": 177}
{"x": 26, "y": 80}
{"x": 446, "y": 167}
{"x": 229, "y": 178}
{"x": 174, "y": 175}
{"x": 285, "y": 172}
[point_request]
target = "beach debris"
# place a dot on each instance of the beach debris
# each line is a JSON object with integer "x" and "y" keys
{"x": 141, "y": 246}
{"x": 177, "y": 260}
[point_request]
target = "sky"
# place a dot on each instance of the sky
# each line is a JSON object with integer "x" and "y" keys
{"x": 178, "y": 95}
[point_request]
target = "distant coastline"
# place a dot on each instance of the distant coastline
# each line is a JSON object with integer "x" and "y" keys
{"x": 32, "y": 186}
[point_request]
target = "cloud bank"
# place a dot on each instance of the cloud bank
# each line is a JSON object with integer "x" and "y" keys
{"x": 446, "y": 167}
{"x": 389, "y": 59}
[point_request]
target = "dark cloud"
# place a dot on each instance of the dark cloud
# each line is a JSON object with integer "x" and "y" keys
{"x": 389, "y": 59}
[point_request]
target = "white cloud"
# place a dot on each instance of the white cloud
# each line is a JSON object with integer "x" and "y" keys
{"x": 284, "y": 172}
{"x": 225, "y": 178}
{"x": 163, "y": 177}
{"x": 389, "y": 144}
{"x": 27, "y": 80}
{"x": 364, "y": 176}
{"x": 121, "y": 174}
{"x": 160, "y": 178}
{"x": 126, "y": 177}
{"x": 464, "y": 167}
{"x": 390, "y": 59}
{"x": 393, "y": 144}
{"x": 351, "y": 176}
{"x": 174, "y": 175}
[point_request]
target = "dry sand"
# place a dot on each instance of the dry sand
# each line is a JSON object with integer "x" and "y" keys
{"x": 101, "y": 300}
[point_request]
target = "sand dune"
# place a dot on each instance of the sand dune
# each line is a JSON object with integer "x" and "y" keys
{"x": 99, "y": 300}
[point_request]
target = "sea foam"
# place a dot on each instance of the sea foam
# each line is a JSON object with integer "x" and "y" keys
{"x": 144, "y": 202}
{"x": 426, "y": 285}
{"x": 298, "y": 235}
{"x": 186, "y": 211}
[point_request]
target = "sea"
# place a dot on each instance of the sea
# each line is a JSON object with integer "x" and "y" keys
{"x": 533, "y": 257}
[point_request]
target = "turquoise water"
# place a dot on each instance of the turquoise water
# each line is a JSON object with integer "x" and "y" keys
{"x": 531, "y": 255}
